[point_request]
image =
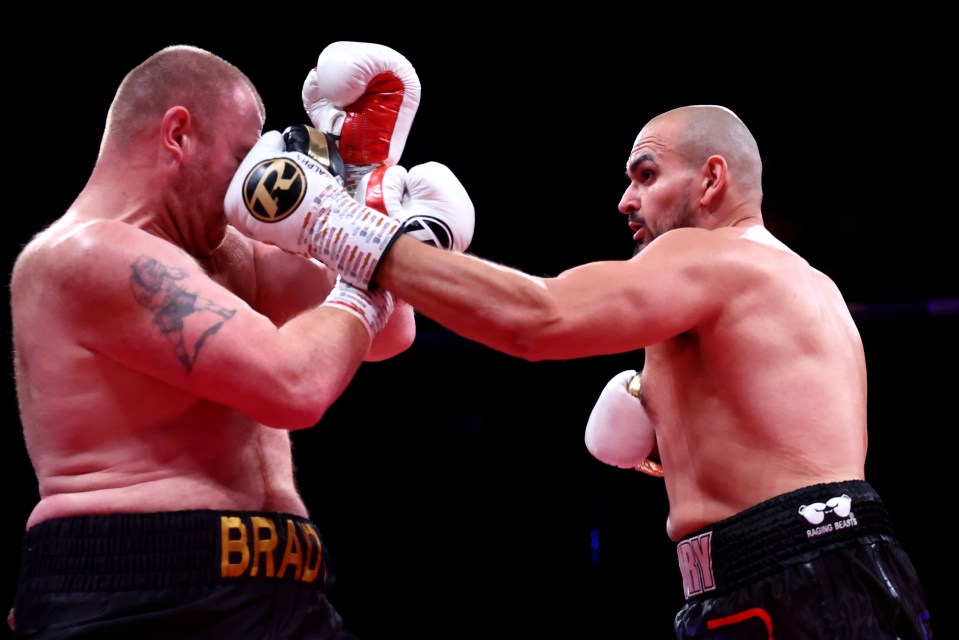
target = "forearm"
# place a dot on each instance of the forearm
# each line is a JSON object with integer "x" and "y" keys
{"x": 477, "y": 299}
{"x": 324, "y": 347}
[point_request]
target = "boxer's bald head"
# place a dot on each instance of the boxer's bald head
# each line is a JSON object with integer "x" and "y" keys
{"x": 697, "y": 132}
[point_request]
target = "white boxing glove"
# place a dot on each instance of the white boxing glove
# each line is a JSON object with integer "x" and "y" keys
{"x": 619, "y": 431}
{"x": 429, "y": 200}
{"x": 366, "y": 96}
{"x": 288, "y": 199}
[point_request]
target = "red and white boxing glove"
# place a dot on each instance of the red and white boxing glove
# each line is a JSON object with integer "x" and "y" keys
{"x": 429, "y": 200}
{"x": 619, "y": 431}
{"x": 366, "y": 96}
{"x": 384, "y": 189}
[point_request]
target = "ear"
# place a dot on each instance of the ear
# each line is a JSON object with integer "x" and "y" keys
{"x": 713, "y": 179}
{"x": 176, "y": 127}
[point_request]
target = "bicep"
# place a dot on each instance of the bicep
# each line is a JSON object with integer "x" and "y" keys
{"x": 152, "y": 310}
{"x": 172, "y": 323}
{"x": 159, "y": 313}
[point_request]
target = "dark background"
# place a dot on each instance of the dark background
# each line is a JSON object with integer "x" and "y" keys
{"x": 451, "y": 483}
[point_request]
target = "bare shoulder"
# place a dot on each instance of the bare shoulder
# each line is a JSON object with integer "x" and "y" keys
{"x": 91, "y": 239}
{"x": 89, "y": 274}
{"x": 701, "y": 273}
{"x": 698, "y": 254}
{"x": 725, "y": 252}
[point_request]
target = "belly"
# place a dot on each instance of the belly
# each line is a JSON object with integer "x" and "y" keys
{"x": 226, "y": 463}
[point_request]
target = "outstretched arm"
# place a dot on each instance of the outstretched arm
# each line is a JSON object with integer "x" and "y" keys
{"x": 658, "y": 294}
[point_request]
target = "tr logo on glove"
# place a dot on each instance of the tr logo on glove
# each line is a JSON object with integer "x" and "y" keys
{"x": 273, "y": 189}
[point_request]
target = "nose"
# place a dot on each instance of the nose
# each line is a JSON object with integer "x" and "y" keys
{"x": 629, "y": 203}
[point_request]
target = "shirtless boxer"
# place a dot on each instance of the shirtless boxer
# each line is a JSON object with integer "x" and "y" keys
{"x": 161, "y": 361}
{"x": 752, "y": 400}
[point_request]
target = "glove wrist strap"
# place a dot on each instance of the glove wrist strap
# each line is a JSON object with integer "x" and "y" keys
{"x": 348, "y": 237}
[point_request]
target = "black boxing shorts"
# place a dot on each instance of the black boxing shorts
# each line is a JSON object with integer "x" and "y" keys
{"x": 819, "y": 562}
{"x": 184, "y": 574}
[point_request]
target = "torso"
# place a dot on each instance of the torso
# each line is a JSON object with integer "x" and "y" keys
{"x": 104, "y": 437}
{"x": 767, "y": 397}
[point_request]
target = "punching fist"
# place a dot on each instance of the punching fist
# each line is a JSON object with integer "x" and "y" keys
{"x": 619, "y": 431}
{"x": 365, "y": 95}
{"x": 429, "y": 200}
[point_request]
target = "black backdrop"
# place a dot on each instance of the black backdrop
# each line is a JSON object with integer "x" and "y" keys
{"x": 451, "y": 484}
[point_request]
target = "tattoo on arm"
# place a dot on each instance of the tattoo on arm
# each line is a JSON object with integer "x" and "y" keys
{"x": 185, "y": 318}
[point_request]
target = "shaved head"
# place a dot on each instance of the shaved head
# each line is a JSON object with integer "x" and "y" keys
{"x": 179, "y": 75}
{"x": 697, "y": 132}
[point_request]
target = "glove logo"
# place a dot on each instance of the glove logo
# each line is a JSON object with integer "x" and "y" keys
{"x": 430, "y": 230}
{"x": 273, "y": 189}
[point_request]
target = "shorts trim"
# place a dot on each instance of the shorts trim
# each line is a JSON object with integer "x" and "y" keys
{"x": 170, "y": 549}
{"x": 784, "y": 530}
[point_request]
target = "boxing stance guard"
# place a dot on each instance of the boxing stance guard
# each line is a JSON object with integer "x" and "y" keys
{"x": 363, "y": 97}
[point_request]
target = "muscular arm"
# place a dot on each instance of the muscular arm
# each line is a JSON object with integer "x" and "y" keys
{"x": 660, "y": 293}
{"x": 150, "y": 308}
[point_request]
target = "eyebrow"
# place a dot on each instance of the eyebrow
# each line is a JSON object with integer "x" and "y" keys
{"x": 638, "y": 160}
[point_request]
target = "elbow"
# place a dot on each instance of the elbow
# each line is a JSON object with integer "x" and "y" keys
{"x": 295, "y": 404}
{"x": 293, "y": 416}
{"x": 310, "y": 402}
{"x": 532, "y": 330}
{"x": 525, "y": 349}
{"x": 527, "y": 338}
{"x": 545, "y": 333}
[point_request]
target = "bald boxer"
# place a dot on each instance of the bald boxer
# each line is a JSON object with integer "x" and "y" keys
{"x": 162, "y": 360}
{"x": 751, "y": 404}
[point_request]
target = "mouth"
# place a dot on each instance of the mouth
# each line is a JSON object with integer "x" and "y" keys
{"x": 639, "y": 231}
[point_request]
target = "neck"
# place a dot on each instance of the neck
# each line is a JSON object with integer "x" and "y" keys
{"x": 745, "y": 216}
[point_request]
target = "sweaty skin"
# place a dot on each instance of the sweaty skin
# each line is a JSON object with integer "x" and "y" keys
{"x": 754, "y": 373}
{"x": 161, "y": 358}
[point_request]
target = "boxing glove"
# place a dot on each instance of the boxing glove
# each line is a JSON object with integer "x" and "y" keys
{"x": 366, "y": 96}
{"x": 318, "y": 145}
{"x": 384, "y": 189}
{"x": 288, "y": 199}
{"x": 619, "y": 431}
{"x": 429, "y": 200}
{"x": 372, "y": 308}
